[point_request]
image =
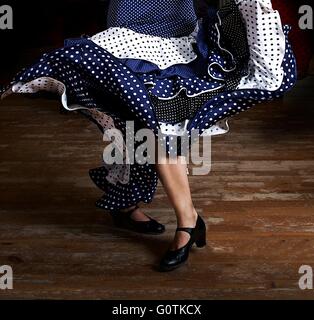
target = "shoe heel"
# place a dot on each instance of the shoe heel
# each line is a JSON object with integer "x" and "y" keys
{"x": 201, "y": 241}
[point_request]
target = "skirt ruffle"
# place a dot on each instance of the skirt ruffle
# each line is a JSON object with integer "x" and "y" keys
{"x": 222, "y": 59}
{"x": 109, "y": 91}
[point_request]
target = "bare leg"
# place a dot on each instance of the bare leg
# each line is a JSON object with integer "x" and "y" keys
{"x": 176, "y": 184}
{"x": 175, "y": 181}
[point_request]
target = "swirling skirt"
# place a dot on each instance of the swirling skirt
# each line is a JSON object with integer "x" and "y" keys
{"x": 237, "y": 57}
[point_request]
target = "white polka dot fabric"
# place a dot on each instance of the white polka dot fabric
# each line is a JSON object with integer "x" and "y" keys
{"x": 164, "y": 52}
{"x": 116, "y": 173}
{"x": 45, "y": 84}
{"x": 267, "y": 45}
{"x": 262, "y": 22}
{"x": 40, "y": 84}
{"x": 102, "y": 86}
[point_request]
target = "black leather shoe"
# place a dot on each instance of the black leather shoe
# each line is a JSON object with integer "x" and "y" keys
{"x": 124, "y": 220}
{"x": 174, "y": 259}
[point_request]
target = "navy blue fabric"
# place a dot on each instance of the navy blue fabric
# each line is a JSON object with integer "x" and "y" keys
{"x": 233, "y": 102}
{"x": 72, "y": 41}
{"x": 161, "y": 18}
{"x": 192, "y": 69}
{"x": 227, "y": 104}
{"x": 94, "y": 78}
{"x": 211, "y": 69}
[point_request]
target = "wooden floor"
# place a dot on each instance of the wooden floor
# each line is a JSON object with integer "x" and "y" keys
{"x": 258, "y": 203}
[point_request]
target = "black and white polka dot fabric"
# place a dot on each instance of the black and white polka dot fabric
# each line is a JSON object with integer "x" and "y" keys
{"x": 124, "y": 43}
{"x": 267, "y": 45}
{"x": 241, "y": 57}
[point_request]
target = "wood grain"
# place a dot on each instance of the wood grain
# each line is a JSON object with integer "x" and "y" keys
{"x": 258, "y": 202}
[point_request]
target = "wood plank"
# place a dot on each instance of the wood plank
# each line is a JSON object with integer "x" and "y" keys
{"x": 258, "y": 203}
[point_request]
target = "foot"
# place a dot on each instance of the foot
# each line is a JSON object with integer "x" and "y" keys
{"x": 174, "y": 259}
{"x": 137, "y": 214}
{"x": 134, "y": 219}
{"x": 182, "y": 238}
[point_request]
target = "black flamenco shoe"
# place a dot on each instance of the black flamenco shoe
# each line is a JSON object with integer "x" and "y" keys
{"x": 174, "y": 259}
{"x": 123, "y": 220}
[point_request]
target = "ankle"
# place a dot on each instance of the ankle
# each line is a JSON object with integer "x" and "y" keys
{"x": 128, "y": 209}
{"x": 187, "y": 218}
{"x": 136, "y": 214}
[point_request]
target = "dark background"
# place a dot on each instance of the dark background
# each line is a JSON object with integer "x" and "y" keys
{"x": 40, "y": 26}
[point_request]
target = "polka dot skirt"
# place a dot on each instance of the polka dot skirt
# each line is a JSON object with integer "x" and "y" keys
{"x": 162, "y": 18}
{"x": 124, "y": 43}
{"x": 228, "y": 62}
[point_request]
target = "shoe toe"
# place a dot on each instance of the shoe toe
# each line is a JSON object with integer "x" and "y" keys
{"x": 157, "y": 227}
{"x": 169, "y": 262}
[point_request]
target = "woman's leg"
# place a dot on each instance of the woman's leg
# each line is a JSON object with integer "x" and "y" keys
{"x": 137, "y": 215}
{"x": 176, "y": 184}
{"x": 173, "y": 176}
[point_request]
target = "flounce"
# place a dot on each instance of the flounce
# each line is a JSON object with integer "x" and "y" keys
{"x": 240, "y": 60}
{"x": 191, "y": 76}
{"x": 88, "y": 77}
{"x": 124, "y": 43}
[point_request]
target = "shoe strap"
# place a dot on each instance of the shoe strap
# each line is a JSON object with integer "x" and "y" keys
{"x": 188, "y": 230}
{"x": 130, "y": 211}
